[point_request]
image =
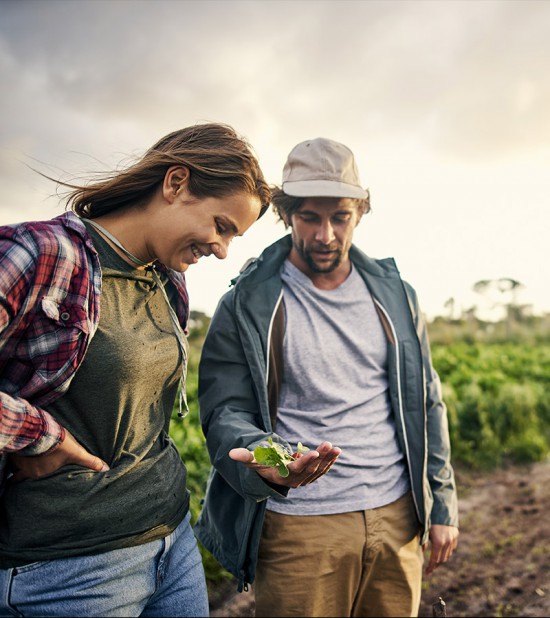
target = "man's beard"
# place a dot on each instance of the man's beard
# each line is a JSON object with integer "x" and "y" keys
{"x": 314, "y": 266}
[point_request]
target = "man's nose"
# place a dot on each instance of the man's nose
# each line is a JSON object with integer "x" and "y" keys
{"x": 325, "y": 233}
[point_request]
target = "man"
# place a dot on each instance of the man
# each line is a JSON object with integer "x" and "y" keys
{"x": 317, "y": 341}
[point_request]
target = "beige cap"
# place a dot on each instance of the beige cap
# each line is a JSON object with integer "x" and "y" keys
{"x": 322, "y": 168}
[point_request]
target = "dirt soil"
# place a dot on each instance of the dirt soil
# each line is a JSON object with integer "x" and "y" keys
{"x": 502, "y": 565}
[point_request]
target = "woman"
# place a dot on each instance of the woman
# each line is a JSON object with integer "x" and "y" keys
{"x": 94, "y": 515}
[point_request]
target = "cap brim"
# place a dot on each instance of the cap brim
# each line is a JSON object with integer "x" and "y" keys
{"x": 323, "y": 188}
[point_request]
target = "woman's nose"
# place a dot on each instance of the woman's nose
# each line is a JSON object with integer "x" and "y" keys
{"x": 219, "y": 249}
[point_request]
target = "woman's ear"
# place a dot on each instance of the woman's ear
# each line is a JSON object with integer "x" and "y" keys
{"x": 175, "y": 179}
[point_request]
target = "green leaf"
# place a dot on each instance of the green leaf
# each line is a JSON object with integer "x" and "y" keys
{"x": 283, "y": 470}
{"x": 267, "y": 456}
{"x": 276, "y": 455}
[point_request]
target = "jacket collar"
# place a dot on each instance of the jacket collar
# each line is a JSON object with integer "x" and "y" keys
{"x": 73, "y": 222}
{"x": 271, "y": 259}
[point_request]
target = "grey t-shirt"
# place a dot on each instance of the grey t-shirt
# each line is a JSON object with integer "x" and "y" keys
{"x": 118, "y": 407}
{"x": 335, "y": 388}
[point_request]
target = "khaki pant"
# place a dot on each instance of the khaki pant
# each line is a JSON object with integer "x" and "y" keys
{"x": 364, "y": 563}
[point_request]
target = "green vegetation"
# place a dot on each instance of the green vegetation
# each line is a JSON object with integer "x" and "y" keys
{"x": 277, "y": 456}
{"x": 496, "y": 384}
{"x": 495, "y": 377}
{"x": 498, "y": 401}
{"x": 188, "y": 436}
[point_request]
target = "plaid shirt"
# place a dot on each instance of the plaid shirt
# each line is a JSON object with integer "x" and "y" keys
{"x": 50, "y": 286}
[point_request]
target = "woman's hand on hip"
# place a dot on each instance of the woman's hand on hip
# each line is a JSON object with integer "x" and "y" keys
{"x": 69, "y": 451}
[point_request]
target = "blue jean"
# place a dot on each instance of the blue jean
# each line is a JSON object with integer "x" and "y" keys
{"x": 161, "y": 578}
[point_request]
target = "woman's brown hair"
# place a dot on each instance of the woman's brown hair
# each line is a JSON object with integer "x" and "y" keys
{"x": 220, "y": 162}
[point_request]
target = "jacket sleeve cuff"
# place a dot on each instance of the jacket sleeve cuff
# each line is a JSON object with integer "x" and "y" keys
{"x": 259, "y": 489}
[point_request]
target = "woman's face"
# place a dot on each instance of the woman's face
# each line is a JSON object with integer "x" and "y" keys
{"x": 190, "y": 228}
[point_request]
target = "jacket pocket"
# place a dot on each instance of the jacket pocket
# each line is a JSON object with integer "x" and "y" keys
{"x": 412, "y": 380}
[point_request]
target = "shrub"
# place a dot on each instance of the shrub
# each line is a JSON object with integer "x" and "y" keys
{"x": 498, "y": 400}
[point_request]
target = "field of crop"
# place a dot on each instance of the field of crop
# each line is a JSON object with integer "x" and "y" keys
{"x": 498, "y": 399}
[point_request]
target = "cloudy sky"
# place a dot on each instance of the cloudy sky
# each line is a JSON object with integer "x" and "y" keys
{"x": 445, "y": 103}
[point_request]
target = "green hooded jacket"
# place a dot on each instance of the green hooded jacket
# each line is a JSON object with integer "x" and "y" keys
{"x": 239, "y": 374}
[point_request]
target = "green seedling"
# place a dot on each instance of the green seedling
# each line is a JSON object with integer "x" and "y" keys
{"x": 277, "y": 456}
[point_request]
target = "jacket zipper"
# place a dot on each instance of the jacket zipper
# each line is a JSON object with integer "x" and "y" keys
{"x": 242, "y": 583}
{"x": 400, "y": 398}
{"x": 269, "y": 332}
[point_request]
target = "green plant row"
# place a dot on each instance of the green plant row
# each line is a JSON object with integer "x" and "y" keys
{"x": 498, "y": 401}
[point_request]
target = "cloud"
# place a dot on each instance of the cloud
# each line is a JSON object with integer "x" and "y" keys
{"x": 439, "y": 100}
{"x": 498, "y": 102}
{"x": 469, "y": 77}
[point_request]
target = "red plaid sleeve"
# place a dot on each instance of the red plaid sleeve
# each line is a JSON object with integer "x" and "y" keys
{"x": 27, "y": 429}
{"x": 23, "y": 427}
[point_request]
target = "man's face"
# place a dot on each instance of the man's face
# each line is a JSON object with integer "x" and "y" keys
{"x": 322, "y": 233}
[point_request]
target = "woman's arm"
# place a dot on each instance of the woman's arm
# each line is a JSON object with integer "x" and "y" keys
{"x": 36, "y": 443}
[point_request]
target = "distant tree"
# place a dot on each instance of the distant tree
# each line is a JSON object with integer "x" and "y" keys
{"x": 507, "y": 290}
{"x": 484, "y": 287}
{"x": 469, "y": 314}
{"x": 513, "y": 287}
{"x": 450, "y": 305}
